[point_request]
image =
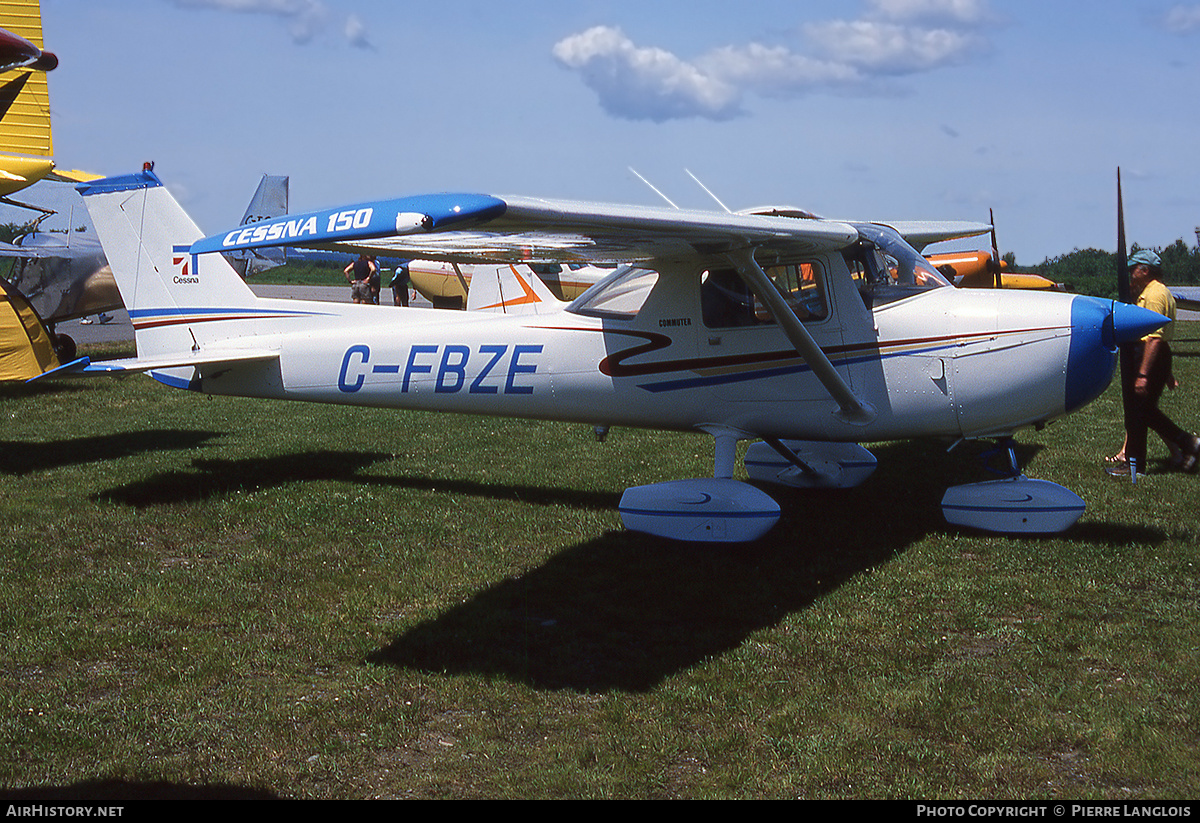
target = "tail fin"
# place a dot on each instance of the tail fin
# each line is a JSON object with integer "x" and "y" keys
{"x": 147, "y": 236}
{"x": 505, "y": 289}
{"x": 270, "y": 200}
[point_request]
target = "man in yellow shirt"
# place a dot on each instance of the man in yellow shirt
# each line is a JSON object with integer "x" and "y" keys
{"x": 1152, "y": 358}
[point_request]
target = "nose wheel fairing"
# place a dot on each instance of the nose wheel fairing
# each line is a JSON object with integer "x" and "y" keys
{"x": 1013, "y": 504}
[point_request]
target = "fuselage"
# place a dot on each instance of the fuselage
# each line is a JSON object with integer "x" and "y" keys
{"x": 940, "y": 361}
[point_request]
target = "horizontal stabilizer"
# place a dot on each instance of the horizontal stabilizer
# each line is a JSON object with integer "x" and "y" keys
{"x": 73, "y": 367}
{"x": 130, "y": 365}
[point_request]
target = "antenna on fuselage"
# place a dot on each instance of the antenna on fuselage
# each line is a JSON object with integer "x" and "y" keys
{"x": 708, "y": 192}
{"x": 652, "y": 188}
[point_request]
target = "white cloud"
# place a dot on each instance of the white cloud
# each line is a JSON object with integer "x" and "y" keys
{"x": 356, "y": 33}
{"x": 1182, "y": 19}
{"x": 964, "y": 12}
{"x": 646, "y": 83}
{"x": 305, "y": 19}
{"x": 889, "y": 49}
{"x": 774, "y": 70}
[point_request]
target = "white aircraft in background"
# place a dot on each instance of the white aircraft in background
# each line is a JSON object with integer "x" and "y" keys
{"x": 809, "y": 335}
{"x": 1186, "y": 297}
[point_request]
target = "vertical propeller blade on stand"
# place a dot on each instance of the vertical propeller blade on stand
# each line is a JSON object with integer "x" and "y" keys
{"x": 1123, "y": 294}
{"x": 994, "y": 263}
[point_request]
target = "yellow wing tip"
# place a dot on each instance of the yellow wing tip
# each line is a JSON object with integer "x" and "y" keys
{"x": 72, "y": 176}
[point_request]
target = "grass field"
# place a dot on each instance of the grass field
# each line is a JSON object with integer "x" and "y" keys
{"x": 222, "y": 597}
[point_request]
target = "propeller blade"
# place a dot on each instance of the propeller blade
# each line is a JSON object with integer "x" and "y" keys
{"x": 994, "y": 264}
{"x": 1128, "y": 367}
{"x": 1122, "y": 257}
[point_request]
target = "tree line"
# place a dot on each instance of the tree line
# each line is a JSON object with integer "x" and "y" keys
{"x": 1094, "y": 271}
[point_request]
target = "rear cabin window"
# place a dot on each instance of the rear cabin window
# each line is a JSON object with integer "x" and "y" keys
{"x": 620, "y": 295}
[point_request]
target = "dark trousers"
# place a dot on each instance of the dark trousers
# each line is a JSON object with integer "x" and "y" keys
{"x": 1143, "y": 412}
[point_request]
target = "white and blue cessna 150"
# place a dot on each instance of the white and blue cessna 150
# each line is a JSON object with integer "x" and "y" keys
{"x": 808, "y": 335}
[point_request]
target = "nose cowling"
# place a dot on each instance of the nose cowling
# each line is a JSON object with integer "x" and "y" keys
{"x": 1097, "y": 328}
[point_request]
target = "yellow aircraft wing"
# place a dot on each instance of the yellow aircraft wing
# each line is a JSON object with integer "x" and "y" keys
{"x": 26, "y": 142}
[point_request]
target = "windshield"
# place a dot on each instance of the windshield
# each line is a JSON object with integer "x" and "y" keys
{"x": 886, "y": 268}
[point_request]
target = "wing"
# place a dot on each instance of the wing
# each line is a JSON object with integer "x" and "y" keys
{"x": 72, "y": 176}
{"x": 473, "y": 227}
{"x": 920, "y": 233}
{"x": 32, "y": 252}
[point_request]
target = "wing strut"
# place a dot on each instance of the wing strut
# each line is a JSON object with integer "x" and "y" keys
{"x": 852, "y": 410}
{"x": 462, "y": 281}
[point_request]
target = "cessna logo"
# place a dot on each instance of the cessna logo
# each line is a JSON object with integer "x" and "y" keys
{"x": 181, "y": 262}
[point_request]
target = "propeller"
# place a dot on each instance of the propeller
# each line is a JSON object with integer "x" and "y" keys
{"x": 1128, "y": 367}
{"x": 994, "y": 262}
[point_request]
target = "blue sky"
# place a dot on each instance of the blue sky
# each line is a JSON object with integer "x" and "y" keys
{"x": 877, "y": 109}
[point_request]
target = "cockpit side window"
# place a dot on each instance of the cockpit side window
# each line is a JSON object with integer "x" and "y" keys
{"x": 726, "y": 301}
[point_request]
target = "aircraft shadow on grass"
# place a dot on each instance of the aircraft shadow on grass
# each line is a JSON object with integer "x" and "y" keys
{"x": 217, "y": 477}
{"x": 626, "y": 610}
{"x": 22, "y": 457}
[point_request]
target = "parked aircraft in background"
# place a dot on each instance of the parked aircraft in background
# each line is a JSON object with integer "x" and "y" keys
{"x": 63, "y": 273}
{"x": 446, "y": 285}
{"x": 269, "y": 200}
{"x": 809, "y": 335}
{"x": 1186, "y": 297}
{"x": 26, "y": 347}
{"x": 26, "y": 144}
{"x": 985, "y": 269}
{"x": 26, "y": 156}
